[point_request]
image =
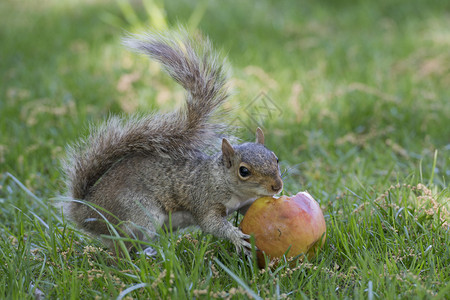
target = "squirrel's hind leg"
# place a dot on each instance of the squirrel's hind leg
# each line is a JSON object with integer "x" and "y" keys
{"x": 140, "y": 225}
{"x": 134, "y": 237}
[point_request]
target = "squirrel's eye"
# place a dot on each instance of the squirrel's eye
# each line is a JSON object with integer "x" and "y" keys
{"x": 244, "y": 172}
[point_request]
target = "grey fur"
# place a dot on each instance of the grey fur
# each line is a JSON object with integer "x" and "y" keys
{"x": 144, "y": 168}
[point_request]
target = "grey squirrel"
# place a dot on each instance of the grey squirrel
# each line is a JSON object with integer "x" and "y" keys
{"x": 143, "y": 169}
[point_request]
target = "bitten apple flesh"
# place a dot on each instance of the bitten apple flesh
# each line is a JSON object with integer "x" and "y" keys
{"x": 278, "y": 224}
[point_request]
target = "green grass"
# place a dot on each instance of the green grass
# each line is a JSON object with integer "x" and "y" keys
{"x": 364, "y": 127}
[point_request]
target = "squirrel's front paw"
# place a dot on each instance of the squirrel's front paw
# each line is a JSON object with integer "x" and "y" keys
{"x": 240, "y": 241}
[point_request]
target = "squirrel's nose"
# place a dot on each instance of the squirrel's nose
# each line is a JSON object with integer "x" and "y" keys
{"x": 277, "y": 187}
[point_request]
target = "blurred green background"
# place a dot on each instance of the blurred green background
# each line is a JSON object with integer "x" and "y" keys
{"x": 359, "y": 91}
{"x": 358, "y": 83}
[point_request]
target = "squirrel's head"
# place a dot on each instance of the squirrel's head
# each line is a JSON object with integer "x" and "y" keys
{"x": 254, "y": 167}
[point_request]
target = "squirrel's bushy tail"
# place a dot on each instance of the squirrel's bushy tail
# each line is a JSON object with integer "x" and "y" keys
{"x": 194, "y": 65}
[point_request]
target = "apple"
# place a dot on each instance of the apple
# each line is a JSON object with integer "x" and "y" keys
{"x": 293, "y": 223}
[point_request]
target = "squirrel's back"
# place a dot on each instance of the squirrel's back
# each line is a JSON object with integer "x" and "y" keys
{"x": 194, "y": 65}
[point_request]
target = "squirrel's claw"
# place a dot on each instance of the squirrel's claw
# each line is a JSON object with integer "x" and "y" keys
{"x": 149, "y": 252}
{"x": 245, "y": 236}
{"x": 246, "y": 247}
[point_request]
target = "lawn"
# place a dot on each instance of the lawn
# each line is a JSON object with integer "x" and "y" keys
{"x": 353, "y": 97}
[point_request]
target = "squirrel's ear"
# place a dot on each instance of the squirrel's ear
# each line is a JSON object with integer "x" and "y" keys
{"x": 259, "y": 136}
{"x": 227, "y": 153}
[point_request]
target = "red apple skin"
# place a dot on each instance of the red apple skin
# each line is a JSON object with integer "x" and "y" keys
{"x": 279, "y": 223}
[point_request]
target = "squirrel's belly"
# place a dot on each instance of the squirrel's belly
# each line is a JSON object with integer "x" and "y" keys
{"x": 180, "y": 219}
